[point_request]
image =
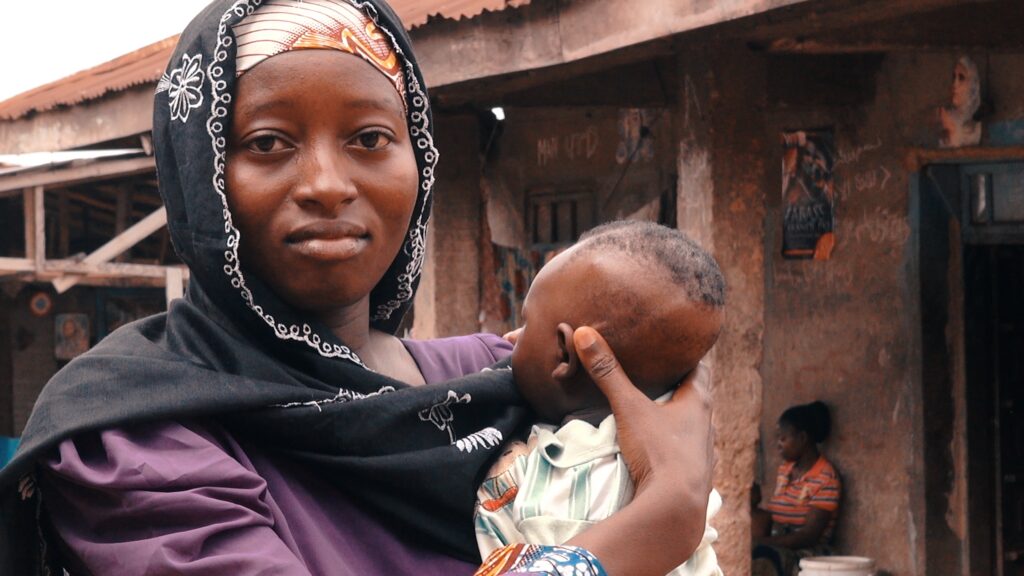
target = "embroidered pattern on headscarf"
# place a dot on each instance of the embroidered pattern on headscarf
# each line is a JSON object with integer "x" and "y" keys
{"x": 184, "y": 86}
{"x": 283, "y": 25}
{"x": 419, "y": 130}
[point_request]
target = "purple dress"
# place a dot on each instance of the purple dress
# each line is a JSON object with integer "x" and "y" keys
{"x": 188, "y": 498}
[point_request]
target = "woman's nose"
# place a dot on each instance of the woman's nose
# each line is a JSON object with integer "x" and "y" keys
{"x": 325, "y": 180}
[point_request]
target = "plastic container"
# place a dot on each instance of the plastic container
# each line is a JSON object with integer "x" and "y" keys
{"x": 837, "y": 566}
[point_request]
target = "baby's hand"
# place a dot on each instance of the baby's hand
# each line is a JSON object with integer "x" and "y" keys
{"x": 512, "y": 336}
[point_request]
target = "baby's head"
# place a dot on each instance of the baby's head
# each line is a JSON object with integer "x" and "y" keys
{"x": 655, "y": 295}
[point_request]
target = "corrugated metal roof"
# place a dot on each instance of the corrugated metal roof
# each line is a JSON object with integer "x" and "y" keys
{"x": 415, "y": 12}
{"x": 145, "y": 65}
{"x": 142, "y": 66}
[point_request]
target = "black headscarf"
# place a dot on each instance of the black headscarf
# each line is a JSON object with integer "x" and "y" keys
{"x": 233, "y": 350}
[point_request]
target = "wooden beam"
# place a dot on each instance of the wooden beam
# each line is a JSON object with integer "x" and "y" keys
{"x": 175, "y": 283}
{"x": 124, "y": 204}
{"x": 98, "y": 170}
{"x": 105, "y": 274}
{"x": 13, "y": 265}
{"x": 813, "y": 46}
{"x": 57, "y": 269}
{"x": 119, "y": 281}
{"x": 992, "y": 27}
{"x": 917, "y": 158}
{"x": 552, "y": 33}
{"x": 28, "y": 204}
{"x": 814, "y": 18}
{"x": 119, "y": 244}
{"x": 39, "y": 226}
{"x": 95, "y": 203}
{"x": 125, "y": 113}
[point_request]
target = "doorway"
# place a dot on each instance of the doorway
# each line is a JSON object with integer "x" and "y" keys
{"x": 970, "y": 258}
{"x": 994, "y": 307}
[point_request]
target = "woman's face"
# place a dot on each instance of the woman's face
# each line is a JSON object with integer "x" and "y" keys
{"x": 791, "y": 442}
{"x": 321, "y": 176}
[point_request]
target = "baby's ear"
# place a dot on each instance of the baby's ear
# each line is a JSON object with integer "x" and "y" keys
{"x": 568, "y": 363}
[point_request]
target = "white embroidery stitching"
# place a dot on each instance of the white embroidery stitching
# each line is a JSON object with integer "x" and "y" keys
{"x": 343, "y": 395}
{"x": 184, "y": 86}
{"x": 414, "y": 246}
{"x": 440, "y": 414}
{"x": 419, "y": 129}
{"x": 487, "y": 438}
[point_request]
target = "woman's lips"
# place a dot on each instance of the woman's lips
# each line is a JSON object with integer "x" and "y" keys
{"x": 329, "y": 240}
{"x": 333, "y": 249}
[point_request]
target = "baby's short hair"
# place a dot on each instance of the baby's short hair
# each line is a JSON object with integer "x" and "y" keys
{"x": 687, "y": 264}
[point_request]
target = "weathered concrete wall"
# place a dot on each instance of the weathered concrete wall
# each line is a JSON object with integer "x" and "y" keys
{"x": 722, "y": 163}
{"x": 621, "y": 157}
{"x": 448, "y": 300}
{"x": 847, "y": 330}
{"x": 840, "y": 330}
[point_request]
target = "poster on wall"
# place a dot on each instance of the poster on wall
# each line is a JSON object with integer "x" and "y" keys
{"x": 808, "y": 195}
{"x": 71, "y": 335}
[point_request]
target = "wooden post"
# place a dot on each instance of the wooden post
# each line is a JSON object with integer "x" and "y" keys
{"x": 175, "y": 283}
{"x": 122, "y": 212}
{"x": 28, "y": 203}
{"x": 63, "y": 224}
{"x": 35, "y": 226}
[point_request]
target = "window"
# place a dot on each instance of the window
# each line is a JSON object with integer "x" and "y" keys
{"x": 558, "y": 217}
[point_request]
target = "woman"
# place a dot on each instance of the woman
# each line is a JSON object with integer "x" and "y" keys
{"x": 805, "y": 506}
{"x": 270, "y": 423}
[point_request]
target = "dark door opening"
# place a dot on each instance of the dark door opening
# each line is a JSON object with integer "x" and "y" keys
{"x": 994, "y": 314}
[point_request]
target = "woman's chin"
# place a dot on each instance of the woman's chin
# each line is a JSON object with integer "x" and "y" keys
{"x": 327, "y": 302}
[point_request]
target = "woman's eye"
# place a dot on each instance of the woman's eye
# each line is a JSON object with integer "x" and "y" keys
{"x": 266, "y": 144}
{"x": 373, "y": 140}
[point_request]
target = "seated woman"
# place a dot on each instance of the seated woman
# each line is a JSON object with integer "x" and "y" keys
{"x": 800, "y": 518}
{"x": 270, "y": 422}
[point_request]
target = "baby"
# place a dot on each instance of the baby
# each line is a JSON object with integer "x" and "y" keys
{"x": 658, "y": 299}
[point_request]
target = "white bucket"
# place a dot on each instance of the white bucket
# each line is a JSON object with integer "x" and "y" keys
{"x": 837, "y": 566}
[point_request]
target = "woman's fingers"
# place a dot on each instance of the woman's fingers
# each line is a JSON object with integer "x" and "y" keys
{"x": 691, "y": 409}
{"x": 600, "y": 362}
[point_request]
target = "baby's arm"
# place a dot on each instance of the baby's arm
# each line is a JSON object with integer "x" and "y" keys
{"x": 495, "y": 525}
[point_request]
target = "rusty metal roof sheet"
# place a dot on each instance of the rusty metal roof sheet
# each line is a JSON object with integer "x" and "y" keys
{"x": 145, "y": 65}
{"x": 141, "y": 66}
{"x": 415, "y": 12}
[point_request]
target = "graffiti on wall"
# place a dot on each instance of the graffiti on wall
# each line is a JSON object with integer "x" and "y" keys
{"x": 579, "y": 145}
{"x": 808, "y": 194}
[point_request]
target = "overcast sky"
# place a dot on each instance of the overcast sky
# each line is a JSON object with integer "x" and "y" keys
{"x": 45, "y": 40}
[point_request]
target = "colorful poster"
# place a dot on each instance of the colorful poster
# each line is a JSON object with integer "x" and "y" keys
{"x": 808, "y": 195}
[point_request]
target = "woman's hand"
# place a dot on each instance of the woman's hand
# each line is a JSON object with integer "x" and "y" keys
{"x": 669, "y": 450}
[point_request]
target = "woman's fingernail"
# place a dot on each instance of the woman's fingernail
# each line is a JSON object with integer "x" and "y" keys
{"x": 586, "y": 338}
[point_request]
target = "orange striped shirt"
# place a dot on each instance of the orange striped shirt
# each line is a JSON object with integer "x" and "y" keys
{"x": 819, "y": 487}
